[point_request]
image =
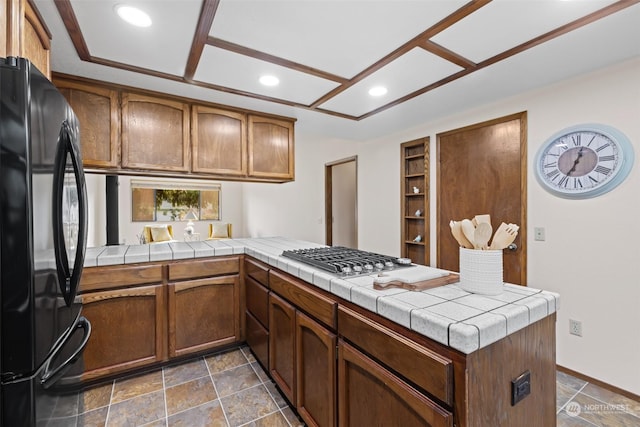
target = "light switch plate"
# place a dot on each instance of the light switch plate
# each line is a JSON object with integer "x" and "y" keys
{"x": 538, "y": 234}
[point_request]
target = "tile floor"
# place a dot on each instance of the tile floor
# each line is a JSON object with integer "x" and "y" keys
{"x": 231, "y": 389}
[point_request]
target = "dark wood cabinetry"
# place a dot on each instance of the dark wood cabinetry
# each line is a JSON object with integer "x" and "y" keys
{"x": 203, "y": 314}
{"x": 134, "y": 131}
{"x": 128, "y": 324}
{"x": 414, "y": 192}
{"x": 282, "y": 332}
{"x": 271, "y": 148}
{"x": 155, "y": 133}
{"x": 315, "y": 372}
{"x": 256, "y": 275}
{"x": 219, "y": 141}
{"x": 146, "y": 314}
{"x": 98, "y": 112}
{"x": 203, "y": 305}
{"x": 371, "y": 395}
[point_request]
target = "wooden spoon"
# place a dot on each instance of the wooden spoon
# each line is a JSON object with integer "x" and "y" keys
{"x": 469, "y": 231}
{"x": 482, "y": 235}
{"x": 482, "y": 218}
{"x": 456, "y": 230}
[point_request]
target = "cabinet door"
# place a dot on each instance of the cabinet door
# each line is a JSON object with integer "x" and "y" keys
{"x": 370, "y": 395}
{"x": 203, "y": 314}
{"x": 271, "y": 149}
{"x": 155, "y": 133}
{"x": 98, "y": 112}
{"x": 258, "y": 340}
{"x": 219, "y": 141}
{"x": 282, "y": 332}
{"x": 36, "y": 42}
{"x": 128, "y": 329}
{"x": 315, "y": 372}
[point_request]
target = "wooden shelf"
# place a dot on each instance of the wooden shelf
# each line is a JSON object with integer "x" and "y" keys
{"x": 414, "y": 157}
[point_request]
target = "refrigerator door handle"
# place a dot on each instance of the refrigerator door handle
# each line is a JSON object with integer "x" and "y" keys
{"x": 51, "y": 376}
{"x": 69, "y": 279}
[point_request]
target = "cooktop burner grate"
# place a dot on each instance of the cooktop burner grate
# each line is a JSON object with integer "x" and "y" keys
{"x": 346, "y": 261}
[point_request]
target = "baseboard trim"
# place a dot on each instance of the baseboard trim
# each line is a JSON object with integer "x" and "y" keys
{"x": 599, "y": 383}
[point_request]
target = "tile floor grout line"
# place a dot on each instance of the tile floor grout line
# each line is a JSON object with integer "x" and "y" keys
{"x": 217, "y": 394}
{"x": 571, "y": 398}
{"x": 113, "y": 388}
{"x": 259, "y": 418}
{"x": 164, "y": 394}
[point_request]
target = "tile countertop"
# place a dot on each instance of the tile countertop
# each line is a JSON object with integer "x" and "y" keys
{"x": 446, "y": 314}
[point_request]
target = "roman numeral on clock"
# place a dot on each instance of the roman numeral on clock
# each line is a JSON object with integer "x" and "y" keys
{"x": 576, "y": 139}
{"x": 606, "y": 158}
{"x": 577, "y": 183}
{"x": 602, "y": 147}
{"x": 553, "y": 174}
{"x": 603, "y": 170}
{"x": 563, "y": 181}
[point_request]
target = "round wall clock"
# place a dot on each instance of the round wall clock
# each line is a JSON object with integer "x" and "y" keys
{"x": 584, "y": 161}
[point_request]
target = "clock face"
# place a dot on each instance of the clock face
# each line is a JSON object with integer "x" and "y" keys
{"x": 584, "y": 161}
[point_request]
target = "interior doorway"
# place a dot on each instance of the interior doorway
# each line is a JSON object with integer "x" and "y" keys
{"x": 341, "y": 202}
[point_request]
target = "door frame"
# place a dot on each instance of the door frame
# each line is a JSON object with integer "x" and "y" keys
{"x": 328, "y": 197}
{"x": 522, "y": 232}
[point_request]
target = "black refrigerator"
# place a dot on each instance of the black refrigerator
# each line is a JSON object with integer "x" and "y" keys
{"x": 43, "y": 226}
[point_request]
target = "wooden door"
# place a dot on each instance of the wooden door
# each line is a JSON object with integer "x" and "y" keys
{"x": 282, "y": 331}
{"x": 482, "y": 169}
{"x": 315, "y": 372}
{"x": 203, "y": 314}
{"x": 370, "y": 395}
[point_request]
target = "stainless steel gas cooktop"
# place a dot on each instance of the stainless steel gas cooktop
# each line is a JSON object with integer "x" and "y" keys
{"x": 344, "y": 261}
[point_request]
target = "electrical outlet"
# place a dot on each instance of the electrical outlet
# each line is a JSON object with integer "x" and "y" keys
{"x": 520, "y": 387}
{"x": 575, "y": 327}
{"x": 538, "y": 234}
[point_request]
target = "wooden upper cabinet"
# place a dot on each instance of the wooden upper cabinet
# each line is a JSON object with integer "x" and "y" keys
{"x": 271, "y": 144}
{"x": 98, "y": 112}
{"x": 36, "y": 40}
{"x": 219, "y": 144}
{"x": 24, "y": 34}
{"x": 155, "y": 133}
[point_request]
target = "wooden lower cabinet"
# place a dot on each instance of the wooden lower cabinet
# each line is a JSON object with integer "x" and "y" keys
{"x": 127, "y": 329}
{"x": 258, "y": 340}
{"x": 282, "y": 332}
{"x": 203, "y": 314}
{"x": 315, "y": 372}
{"x": 370, "y": 395}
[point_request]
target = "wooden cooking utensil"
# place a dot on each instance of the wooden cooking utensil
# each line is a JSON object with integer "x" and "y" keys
{"x": 469, "y": 230}
{"x": 456, "y": 230}
{"x": 482, "y": 235}
{"x": 505, "y": 235}
{"x": 482, "y": 218}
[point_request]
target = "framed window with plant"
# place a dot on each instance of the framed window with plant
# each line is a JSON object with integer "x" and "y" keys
{"x": 174, "y": 201}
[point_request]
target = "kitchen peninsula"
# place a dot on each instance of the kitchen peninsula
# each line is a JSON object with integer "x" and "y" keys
{"x": 341, "y": 351}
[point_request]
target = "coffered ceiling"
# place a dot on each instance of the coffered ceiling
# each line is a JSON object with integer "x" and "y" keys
{"x": 433, "y": 56}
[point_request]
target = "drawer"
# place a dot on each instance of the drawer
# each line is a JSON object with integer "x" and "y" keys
{"x": 299, "y": 294}
{"x": 257, "y": 270}
{"x": 258, "y": 340}
{"x": 425, "y": 368}
{"x": 181, "y": 270}
{"x": 103, "y": 278}
{"x": 258, "y": 301}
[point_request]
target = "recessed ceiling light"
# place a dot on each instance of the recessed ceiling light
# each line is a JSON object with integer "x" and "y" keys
{"x": 269, "y": 80}
{"x": 377, "y": 91}
{"x": 133, "y": 15}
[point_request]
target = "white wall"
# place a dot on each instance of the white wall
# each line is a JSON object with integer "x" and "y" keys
{"x": 97, "y": 212}
{"x": 590, "y": 256}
